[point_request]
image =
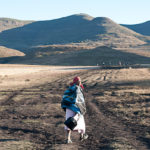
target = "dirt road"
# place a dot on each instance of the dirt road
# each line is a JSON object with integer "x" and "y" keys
{"x": 118, "y": 112}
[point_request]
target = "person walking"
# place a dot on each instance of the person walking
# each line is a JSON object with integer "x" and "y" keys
{"x": 73, "y": 104}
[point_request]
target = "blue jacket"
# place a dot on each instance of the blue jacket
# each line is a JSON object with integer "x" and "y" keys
{"x": 73, "y": 99}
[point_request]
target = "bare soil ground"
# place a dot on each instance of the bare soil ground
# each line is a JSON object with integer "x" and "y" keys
{"x": 118, "y": 110}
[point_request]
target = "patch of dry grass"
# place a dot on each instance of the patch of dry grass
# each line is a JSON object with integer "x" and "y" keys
{"x": 120, "y": 96}
{"x": 16, "y": 145}
{"x": 8, "y": 52}
{"x": 121, "y": 143}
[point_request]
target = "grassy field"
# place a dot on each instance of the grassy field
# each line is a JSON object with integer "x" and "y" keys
{"x": 117, "y": 100}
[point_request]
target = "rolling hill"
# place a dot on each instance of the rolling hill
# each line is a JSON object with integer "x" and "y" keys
{"x": 77, "y": 56}
{"x": 142, "y": 28}
{"x": 8, "y": 23}
{"x": 7, "y": 52}
{"x": 79, "y": 29}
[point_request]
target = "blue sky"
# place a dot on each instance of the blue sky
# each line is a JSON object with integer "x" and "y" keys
{"x": 120, "y": 11}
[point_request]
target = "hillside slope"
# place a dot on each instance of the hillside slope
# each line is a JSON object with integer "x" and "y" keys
{"x": 81, "y": 29}
{"x": 7, "y": 52}
{"x": 76, "y": 56}
{"x": 142, "y": 28}
{"x": 8, "y": 23}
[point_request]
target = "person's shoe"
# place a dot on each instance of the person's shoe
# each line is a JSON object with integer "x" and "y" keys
{"x": 68, "y": 141}
{"x": 84, "y": 137}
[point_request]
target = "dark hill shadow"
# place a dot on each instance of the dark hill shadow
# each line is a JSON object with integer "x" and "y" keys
{"x": 142, "y": 28}
{"x": 93, "y": 57}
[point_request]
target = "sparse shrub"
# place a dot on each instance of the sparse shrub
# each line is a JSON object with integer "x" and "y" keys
{"x": 27, "y": 80}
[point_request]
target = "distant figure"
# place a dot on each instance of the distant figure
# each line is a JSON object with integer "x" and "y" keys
{"x": 104, "y": 77}
{"x": 74, "y": 105}
{"x": 120, "y": 63}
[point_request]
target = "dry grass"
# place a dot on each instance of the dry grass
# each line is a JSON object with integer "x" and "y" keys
{"x": 16, "y": 145}
{"x": 8, "y": 52}
{"x": 20, "y": 76}
{"x": 117, "y": 100}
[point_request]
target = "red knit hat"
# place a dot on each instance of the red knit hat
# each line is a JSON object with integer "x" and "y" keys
{"x": 75, "y": 80}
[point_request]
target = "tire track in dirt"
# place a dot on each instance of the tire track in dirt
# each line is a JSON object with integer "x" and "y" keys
{"x": 111, "y": 130}
{"x": 99, "y": 124}
{"x": 45, "y": 137}
{"x": 8, "y": 100}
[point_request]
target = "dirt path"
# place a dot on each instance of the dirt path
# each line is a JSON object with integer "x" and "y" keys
{"x": 31, "y": 118}
{"x": 108, "y": 131}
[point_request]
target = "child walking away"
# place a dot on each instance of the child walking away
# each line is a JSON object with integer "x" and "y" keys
{"x": 73, "y": 104}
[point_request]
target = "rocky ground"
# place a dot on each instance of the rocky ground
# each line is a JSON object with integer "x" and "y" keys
{"x": 118, "y": 111}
